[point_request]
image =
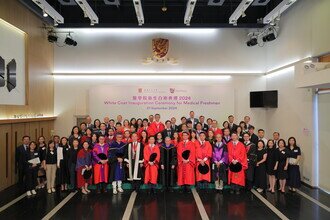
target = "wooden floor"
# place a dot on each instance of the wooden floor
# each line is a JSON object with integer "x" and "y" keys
{"x": 306, "y": 204}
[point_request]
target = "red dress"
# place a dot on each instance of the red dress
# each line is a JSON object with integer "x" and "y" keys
{"x": 155, "y": 127}
{"x": 203, "y": 151}
{"x": 151, "y": 171}
{"x": 238, "y": 153}
{"x": 84, "y": 158}
{"x": 100, "y": 171}
{"x": 186, "y": 171}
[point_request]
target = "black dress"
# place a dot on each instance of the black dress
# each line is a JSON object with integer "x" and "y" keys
{"x": 260, "y": 180}
{"x": 271, "y": 161}
{"x": 293, "y": 170}
{"x": 281, "y": 158}
{"x": 168, "y": 157}
{"x": 63, "y": 176}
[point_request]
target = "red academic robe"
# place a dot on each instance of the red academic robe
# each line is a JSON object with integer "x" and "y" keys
{"x": 186, "y": 171}
{"x": 126, "y": 141}
{"x": 142, "y": 129}
{"x": 100, "y": 171}
{"x": 151, "y": 171}
{"x": 155, "y": 128}
{"x": 238, "y": 153}
{"x": 216, "y": 131}
{"x": 203, "y": 152}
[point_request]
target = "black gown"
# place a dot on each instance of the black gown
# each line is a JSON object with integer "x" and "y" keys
{"x": 168, "y": 157}
{"x": 63, "y": 175}
{"x": 252, "y": 158}
{"x": 281, "y": 157}
{"x": 271, "y": 160}
{"x": 293, "y": 170}
{"x": 260, "y": 179}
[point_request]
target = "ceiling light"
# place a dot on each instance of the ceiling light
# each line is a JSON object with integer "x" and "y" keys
{"x": 44, "y": 13}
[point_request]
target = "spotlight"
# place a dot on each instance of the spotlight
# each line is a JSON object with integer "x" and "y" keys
{"x": 243, "y": 14}
{"x": 69, "y": 41}
{"x": 44, "y": 13}
{"x": 269, "y": 37}
{"x": 52, "y": 38}
{"x": 252, "y": 42}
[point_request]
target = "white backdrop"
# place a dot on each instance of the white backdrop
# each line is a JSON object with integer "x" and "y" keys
{"x": 177, "y": 101}
{"x": 12, "y": 46}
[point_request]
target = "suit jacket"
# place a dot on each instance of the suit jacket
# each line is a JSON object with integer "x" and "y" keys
{"x": 205, "y": 127}
{"x": 233, "y": 128}
{"x": 175, "y": 128}
{"x": 165, "y": 133}
{"x": 194, "y": 121}
{"x": 20, "y": 156}
{"x": 254, "y": 139}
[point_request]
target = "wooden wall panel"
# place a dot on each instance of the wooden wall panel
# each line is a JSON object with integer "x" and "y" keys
{"x": 325, "y": 58}
{"x": 34, "y": 131}
{"x": 17, "y": 132}
{"x": 5, "y": 152}
{"x": 39, "y": 58}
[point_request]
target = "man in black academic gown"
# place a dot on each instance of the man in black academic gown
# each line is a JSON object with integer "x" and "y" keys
{"x": 253, "y": 137}
{"x": 168, "y": 131}
{"x": 134, "y": 161}
{"x": 232, "y": 125}
{"x": 168, "y": 163}
{"x": 20, "y": 153}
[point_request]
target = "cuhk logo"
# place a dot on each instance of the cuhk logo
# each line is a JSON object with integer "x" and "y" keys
{"x": 140, "y": 90}
{"x": 172, "y": 90}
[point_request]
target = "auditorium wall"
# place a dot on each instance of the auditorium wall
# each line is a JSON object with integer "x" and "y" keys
{"x": 71, "y": 97}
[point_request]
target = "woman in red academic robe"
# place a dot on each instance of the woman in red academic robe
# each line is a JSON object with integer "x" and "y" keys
{"x": 186, "y": 167}
{"x": 203, "y": 157}
{"x": 84, "y": 163}
{"x": 101, "y": 166}
{"x": 151, "y": 167}
{"x": 236, "y": 154}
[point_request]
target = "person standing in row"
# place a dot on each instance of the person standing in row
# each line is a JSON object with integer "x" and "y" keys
{"x": 84, "y": 164}
{"x": 220, "y": 162}
{"x": 116, "y": 158}
{"x": 50, "y": 166}
{"x": 260, "y": 177}
{"x": 203, "y": 157}
{"x": 168, "y": 163}
{"x": 294, "y": 181}
{"x": 32, "y": 163}
{"x": 134, "y": 160}
{"x": 270, "y": 165}
{"x": 151, "y": 156}
{"x": 251, "y": 159}
{"x": 100, "y": 164}
{"x": 237, "y": 154}
{"x": 186, "y": 162}
{"x": 62, "y": 164}
{"x": 72, "y": 162}
{"x": 281, "y": 166}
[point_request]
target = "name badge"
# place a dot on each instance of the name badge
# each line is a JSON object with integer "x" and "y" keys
{"x": 52, "y": 152}
{"x": 283, "y": 152}
{"x": 36, "y": 154}
{"x": 296, "y": 151}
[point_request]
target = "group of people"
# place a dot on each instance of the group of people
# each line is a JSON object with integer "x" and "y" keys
{"x": 147, "y": 151}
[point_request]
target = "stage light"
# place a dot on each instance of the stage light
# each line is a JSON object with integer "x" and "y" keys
{"x": 252, "y": 42}
{"x": 269, "y": 37}
{"x": 44, "y": 13}
{"x": 69, "y": 41}
{"x": 52, "y": 38}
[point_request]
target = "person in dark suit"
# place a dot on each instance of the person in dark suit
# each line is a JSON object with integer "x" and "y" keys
{"x": 173, "y": 124}
{"x": 192, "y": 119}
{"x": 183, "y": 122}
{"x": 168, "y": 131}
{"x": 247, "y": 122}
{"x": 89, "y": 123}
{"x": 253, "y": 137}
{"x": 205, "y": 127}
{"x": 232, "y": 125}
{"x": 20, "y": 158}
